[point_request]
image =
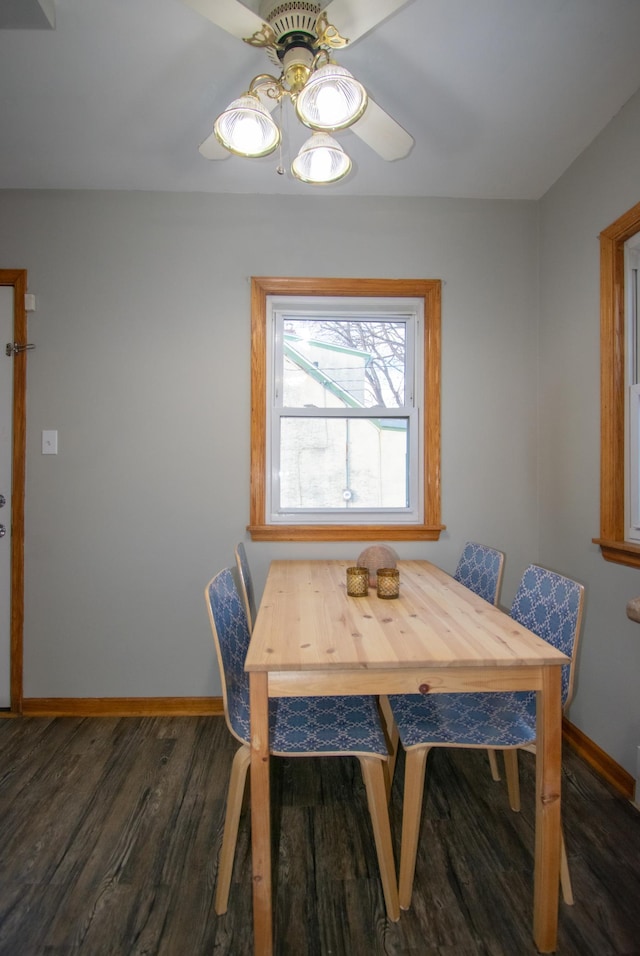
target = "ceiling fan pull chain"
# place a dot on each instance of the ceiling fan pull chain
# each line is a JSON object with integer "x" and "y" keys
{"x": 280, "y": 168}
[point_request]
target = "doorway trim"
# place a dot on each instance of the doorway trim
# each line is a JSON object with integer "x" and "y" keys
{"x": 18, "y": 279}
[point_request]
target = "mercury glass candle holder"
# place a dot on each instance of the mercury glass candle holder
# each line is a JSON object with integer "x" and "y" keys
{"x": 357, "y": 582}
{"x": 388, "y": 583}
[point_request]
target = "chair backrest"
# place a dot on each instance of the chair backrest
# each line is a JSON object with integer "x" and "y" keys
{"x": 231, "y": 638}
{"x": 246, "y": 584}
{"x": 480, "y": 569}
{"x": 551, "y": 606}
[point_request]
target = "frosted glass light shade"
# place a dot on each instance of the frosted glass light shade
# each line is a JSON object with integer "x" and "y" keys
{"x": 246, "y": 128}
{"x": 321, "y": 160}
{"x": 331, "y": 99}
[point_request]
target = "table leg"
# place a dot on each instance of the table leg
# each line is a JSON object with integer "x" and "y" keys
{"x": 260, "y": 815}
{"x": 548, "y": 783}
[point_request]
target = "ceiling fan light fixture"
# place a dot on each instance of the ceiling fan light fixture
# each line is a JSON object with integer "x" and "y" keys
{"x": 321, "y": 160}
{"x": 331, "y": 100}
{"x": 246, "y": 128}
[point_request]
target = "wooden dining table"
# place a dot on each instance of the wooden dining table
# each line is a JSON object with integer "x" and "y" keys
{"x": 311, "y": 638}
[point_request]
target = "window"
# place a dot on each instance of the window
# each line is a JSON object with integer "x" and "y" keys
{"x": 343, "y": 411}
{"x": 345, "y": 425}
{"x": 616, "y": 362}
{"x": 632, "y": 387}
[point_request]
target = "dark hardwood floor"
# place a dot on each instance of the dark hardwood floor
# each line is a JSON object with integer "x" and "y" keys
{"x": 110, "y": 831}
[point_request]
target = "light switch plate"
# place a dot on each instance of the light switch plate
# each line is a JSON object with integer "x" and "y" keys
{"x": 50, "y": 443}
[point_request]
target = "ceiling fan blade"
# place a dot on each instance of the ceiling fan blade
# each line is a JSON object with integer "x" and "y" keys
{"x": 354, "y": 18}
{"x": 212, "y": 149}
{"x": 379, "y": 131}
{"x": 231, "y": 15}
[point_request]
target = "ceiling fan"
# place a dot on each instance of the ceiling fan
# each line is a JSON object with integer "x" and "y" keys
{"x": 299, "y": 39}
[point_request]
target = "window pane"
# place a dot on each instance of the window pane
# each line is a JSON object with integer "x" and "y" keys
{"x": 635, "y": 318}
{"x": 633, "y": 530}
{"x": 343, "y": 463}
{"x": 344, "y": 362}
{"x": 635, "y": 487}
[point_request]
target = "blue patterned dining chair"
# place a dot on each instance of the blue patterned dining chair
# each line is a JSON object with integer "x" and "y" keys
{"x": 246, "y": 583}
{"x": 551, "y": 606}
{"x": 298, "y": 727}
{"x": 480, "y": 569}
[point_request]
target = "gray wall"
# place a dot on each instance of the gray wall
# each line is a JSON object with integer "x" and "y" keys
{"x": 602, "y": 185}
{"x": 142, "y": 364}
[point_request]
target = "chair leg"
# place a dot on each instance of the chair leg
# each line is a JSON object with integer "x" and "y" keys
{"x": 374, "y": 781}
{"x": 493, "y": 764}
{"x": 513, "y": 778}
{"x": 237, "y": 782}
{"x": 392, "y": 738}
{"x": 415, "y": 766}
{"x": 513, "y": 788}
{"x": 565, "y": 877}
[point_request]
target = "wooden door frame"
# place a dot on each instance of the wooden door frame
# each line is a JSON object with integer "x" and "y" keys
{"x": 18, "y": 279}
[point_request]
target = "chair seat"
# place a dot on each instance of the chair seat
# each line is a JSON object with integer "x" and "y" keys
{"x": 500, "y": 719}
{"x": 348, "y": 724}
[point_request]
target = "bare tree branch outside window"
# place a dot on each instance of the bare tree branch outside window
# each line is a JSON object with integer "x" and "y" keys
{"x": 383, "y": 342}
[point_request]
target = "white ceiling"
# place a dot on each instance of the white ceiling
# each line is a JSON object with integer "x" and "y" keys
{"x": 500, "y": 96}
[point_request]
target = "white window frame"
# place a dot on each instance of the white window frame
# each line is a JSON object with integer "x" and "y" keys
{"x": 409, "y": 310}
{"x": 632, "y": 387}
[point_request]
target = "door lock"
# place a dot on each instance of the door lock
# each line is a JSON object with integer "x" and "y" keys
{"x": 3, "y": 501}
{"x": 3, "y": 531}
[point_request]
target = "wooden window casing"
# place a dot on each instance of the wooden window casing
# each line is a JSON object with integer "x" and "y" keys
{"x": 612, "y": 541}
{"x": 427, "y": 289}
